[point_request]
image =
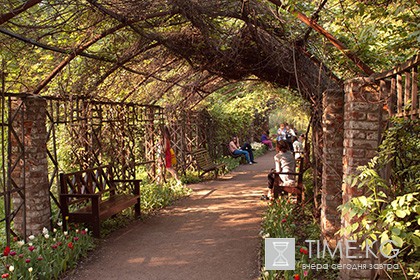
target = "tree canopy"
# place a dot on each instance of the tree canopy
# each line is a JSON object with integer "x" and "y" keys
{"x": 150, "y": 51}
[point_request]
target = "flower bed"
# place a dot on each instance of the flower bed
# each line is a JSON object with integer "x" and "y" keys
{"x": 283, "y": 219}
{"x": 45, "y": 256}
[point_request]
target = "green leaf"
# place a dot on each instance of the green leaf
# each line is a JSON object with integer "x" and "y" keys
{"x": 398, "y": 240}
{"x": 416, "y": 240}
{"x": 354, "y": 226}
{"x": 400, "y": 213}
{"x": 382, "y": 194}
{"x": 386, "y": 250}
{"x": 402, "y": 201}
{"x": 396, "y": 231}
{"x": 363, "y": 200}
{"x": 384, "y": 237}
{"x": 394, "y": 204}
{"x": 410, "y": 197}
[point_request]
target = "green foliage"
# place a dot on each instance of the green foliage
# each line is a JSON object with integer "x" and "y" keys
{"x": 158, "y": 196}
{"x": 381, "y": 33}
{"x": 390, "y": 209}
{"x": 236, "y": 109}
{"x": 289, "y": 108}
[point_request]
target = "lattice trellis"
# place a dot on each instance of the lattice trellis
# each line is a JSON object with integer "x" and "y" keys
{"x": 191, "y": 130}
{"x": 81, "y": 133}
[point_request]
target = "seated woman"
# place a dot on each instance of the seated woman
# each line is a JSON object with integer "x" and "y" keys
{"x": 284, "y": 163}
{"x": 246, "y": 150}
{"x": 266, "y": 140}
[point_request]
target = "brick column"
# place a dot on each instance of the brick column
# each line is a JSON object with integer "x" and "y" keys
{"x": 332, "y": 171}
{"x": 31, "y": 171}
{"x": 362, "y": 125}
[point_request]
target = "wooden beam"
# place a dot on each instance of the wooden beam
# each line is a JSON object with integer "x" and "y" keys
{"x": 18, "y": 10}
{"x": 415, "y": 60}
{"x": 414, "y": 92}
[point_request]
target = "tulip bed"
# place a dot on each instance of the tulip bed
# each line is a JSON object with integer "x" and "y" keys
{"x": 45, "y": 256}
{"x": 284, "y": 219}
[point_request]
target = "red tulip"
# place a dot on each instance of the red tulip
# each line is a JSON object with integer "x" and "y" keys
{"x": 6, "y": 251}
{"x": 303, "y": 251}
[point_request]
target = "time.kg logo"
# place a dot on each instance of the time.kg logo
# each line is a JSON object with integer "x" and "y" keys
{"x": 279, "y": 254}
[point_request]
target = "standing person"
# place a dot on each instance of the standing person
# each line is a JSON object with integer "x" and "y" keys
{"x": 289, "y": 133}
{"x": 265, "y": 139}
{"x": 293, "y": 130}
{"x": 168, "y": 153}
{"x": 298, "y": 146}
{"x": 246, "y": 149}
{"x": 281, "y": 132}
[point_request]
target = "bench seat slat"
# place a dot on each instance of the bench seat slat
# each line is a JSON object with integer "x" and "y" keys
{"x": 108, "y": 207}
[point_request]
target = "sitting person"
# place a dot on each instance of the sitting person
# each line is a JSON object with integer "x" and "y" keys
{"x": 265, "y": 139}
{"x": 245, "y": 149}
{"x": 284, "y": 163}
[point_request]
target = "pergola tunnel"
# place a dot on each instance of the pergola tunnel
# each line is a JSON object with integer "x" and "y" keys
{"x": 87, "y": 85}
{"x": 43, "y": 136}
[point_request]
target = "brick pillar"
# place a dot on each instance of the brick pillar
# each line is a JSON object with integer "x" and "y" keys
{"x": 332, "y": 171}
{"x": 31, "y": 172}
{"x": 362, "y": 126}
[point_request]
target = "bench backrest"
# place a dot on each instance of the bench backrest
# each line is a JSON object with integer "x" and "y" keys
{"x": 203, "y": 159}
{"x": 88, "y": 181}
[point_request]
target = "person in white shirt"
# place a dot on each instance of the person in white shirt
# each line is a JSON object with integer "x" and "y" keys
{"x": 298, "y": 146}
{"x": 284, "y": 163}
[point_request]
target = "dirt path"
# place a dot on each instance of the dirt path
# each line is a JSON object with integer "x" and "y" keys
{"x": 213, "y": 234}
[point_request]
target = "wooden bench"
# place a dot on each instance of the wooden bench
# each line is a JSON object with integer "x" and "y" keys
{"x": 205, "y": 163}
{"x": 91, "y": 196}
{"x": 297, "y": 189}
